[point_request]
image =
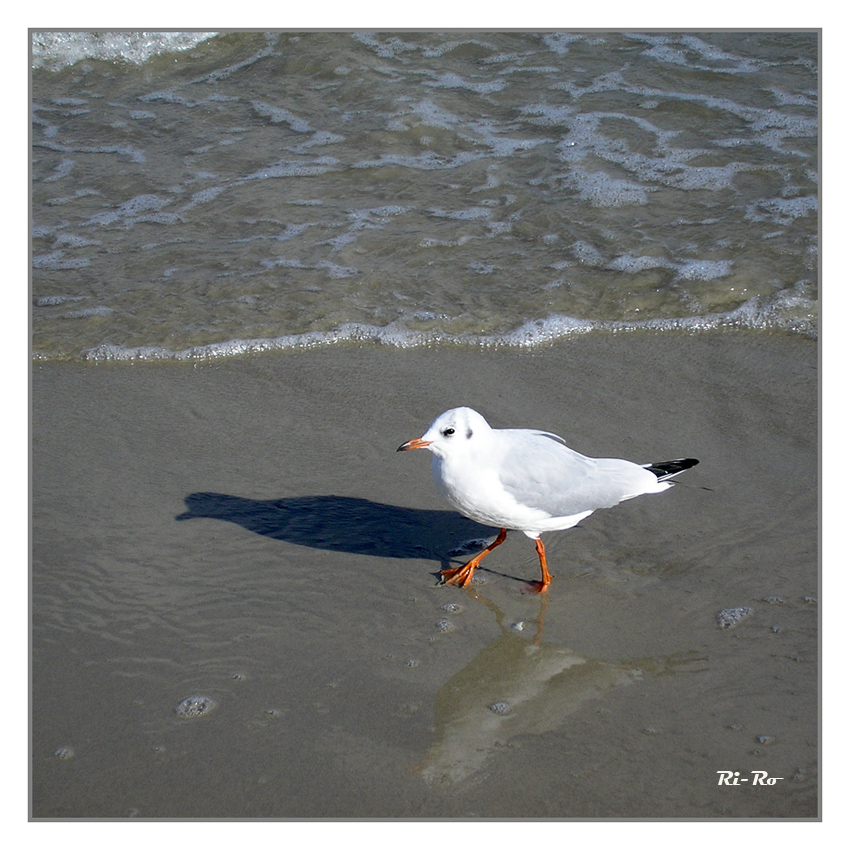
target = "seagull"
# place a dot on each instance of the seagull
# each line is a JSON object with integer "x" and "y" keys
{"x": 529, "y": 481}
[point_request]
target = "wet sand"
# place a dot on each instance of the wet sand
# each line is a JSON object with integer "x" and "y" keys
{"x": 244, "y": 531}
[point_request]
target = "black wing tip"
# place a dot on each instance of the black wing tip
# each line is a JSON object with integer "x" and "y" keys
{"x": 668, "y": 468}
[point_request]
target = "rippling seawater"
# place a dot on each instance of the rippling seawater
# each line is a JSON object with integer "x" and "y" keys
{"x": 199, "y": 195}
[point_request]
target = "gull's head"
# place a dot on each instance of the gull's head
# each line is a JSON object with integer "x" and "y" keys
{"x": 451, "y": 432}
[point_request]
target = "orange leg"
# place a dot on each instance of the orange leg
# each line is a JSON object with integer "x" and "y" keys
{"x": 545, "y": 578}
{"x": 462, "y": 576}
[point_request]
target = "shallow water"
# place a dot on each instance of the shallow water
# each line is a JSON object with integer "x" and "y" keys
{"x": 242, "y": 534}
{"x": 258, "y": 191}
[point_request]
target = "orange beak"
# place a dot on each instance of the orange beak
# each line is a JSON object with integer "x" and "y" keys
{"x": 418, "y": 443}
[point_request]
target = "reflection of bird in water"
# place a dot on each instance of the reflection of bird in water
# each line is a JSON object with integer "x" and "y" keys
{"x": 513, "y": 687}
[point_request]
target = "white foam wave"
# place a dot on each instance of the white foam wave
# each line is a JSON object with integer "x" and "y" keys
{"x": 789, "y": 310}
{"x": 56, "y": 50}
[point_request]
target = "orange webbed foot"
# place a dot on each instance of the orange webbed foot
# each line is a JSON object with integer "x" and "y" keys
{"x": 462, "y": 576}
{"x": 459, "y": 576}
{"x": 536, "y": 587}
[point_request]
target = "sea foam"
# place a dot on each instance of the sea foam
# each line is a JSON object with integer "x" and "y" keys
{"x": 789, "y": 310}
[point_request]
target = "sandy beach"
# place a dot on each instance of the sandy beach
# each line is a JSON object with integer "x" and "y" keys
{"x": 244, "y": 532}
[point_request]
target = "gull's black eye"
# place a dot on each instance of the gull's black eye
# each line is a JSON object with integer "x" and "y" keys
{"x": 448, "y": 432}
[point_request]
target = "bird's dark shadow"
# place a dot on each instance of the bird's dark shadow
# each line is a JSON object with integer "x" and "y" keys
{"x": 343, "y": 524}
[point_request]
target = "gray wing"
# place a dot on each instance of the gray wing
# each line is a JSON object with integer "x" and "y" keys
{"x": 539, "y": 471}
